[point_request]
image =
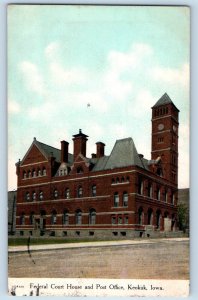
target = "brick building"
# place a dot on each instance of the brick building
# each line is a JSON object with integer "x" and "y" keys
{"x": 123, "y": 194}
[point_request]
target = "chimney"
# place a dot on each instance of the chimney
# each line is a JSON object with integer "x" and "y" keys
{"x": 100, "y": 149}
{"x": 80, "y": 141}
{"x": 64, "y": 151}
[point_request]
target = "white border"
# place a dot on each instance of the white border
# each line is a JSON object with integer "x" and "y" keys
{"x": 194, "y": 125}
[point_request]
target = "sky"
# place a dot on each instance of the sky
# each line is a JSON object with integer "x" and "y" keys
{"x": 98, "y": 68}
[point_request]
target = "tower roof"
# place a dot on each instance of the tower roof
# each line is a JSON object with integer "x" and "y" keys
{"x": 165, "y": 99}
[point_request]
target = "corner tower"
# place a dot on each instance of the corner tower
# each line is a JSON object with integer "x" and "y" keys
{"x": 165, "y": 125}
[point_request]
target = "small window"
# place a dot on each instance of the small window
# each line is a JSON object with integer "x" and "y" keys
{"x": 34, "y": 196}
{"x": 55, "y": 194}
{"x": 80, "y": 192}
{"x": 67, "y": 194}
{"x": 120, "y": 220}
{"x": 125, "y": 199}
{"x": 113, "y": 220}
{"x": 41, "y": 195}
{"x": 44, "y": 172}
{"x": 53, "y": 218}
{"x": 27, "y": 196}
{"x": 116, "y": 200}
{"x": 94, "y": 190}
{"x": 78, "y": 217}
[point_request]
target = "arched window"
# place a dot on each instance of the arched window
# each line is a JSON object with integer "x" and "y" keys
{"x": 125, "y": 199}
{"x": 150, "y": 191}
{"x": 55, "y": 194}
{"x": 158, "y": 193}
{"x": 29, "y": 174}
{"x": 27, "y": 196}
{"x": 140, "y": 187}
{"x": 150, "y": 216}
{"x": 122, "y": 179}
{"x": 173, "y": 198}
{"x": 34, "y": 196}
{"x": 92, "y": 217}
{"x": 33, "y": 173}
{"x": 24, "y": 175}
{"x": 40, "y": 195}
{"x": 140, "y": 216}
{"x": 22, "y": 219}
{"x": 126, "y": 219}
{"x": 79, "y": 170}
{"x": 113, "y": 220}
{"x": 65, "y": 218}
{"x": 158, "y": 219}
{"x": 78, "y": 217}
{"x": 67, "y": 193}
{"x": 116, "y": 200}
{"x": 117, "y": 180}
{"x": 44, "y": 172}
{"x": 119, "y": 220}
{"x": 53, "y": 217}
{"x": 32, "y": 218}
{"x": 93, "y": 190}
{"x": 113, "y": 181}
{"x": 39, "y": 172}
{"x": 127, "y": 179}
{"x": 80, "y": 192}
{"x": 166, "y": 196}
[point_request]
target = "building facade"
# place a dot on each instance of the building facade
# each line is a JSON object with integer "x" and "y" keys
{"x": 120, "y": 195}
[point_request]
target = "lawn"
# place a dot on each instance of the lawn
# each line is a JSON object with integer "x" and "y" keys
{"x": 43, "y": 241}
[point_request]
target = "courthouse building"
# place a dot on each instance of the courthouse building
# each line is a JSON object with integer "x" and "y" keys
{"x": 122, "y": 194}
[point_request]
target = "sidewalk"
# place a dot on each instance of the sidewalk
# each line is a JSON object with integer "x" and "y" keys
{"x": 14, "y": 249}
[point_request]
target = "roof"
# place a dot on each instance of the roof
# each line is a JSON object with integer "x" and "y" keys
{"x": 124, "y": 154}
{"x": 164, "y": 100}
{"x": 80, "y": 134}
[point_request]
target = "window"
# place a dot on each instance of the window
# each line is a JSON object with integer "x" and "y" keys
{"x": 94, "y": 190}
{"x": 117, "y": 180}
{"x": 150, "y": 216}
{"x": 67, "y": 194}
{"x": 39, "y": 172}
{"x": 158, "y": 193}
{"x": 120, "y": 220}
{"x": 122, "y": 179}
{"x": 113, "y": 181}
{"x": 125, "y": 199}
{"x": 173, "y": 198}
{"x": 22, "y": 219}
{"x": 34, "y": 173}
{"x": 92, "y": 217}
{"x": 32, "y": 218}
{"x": 140, "y": 216}
{"x": 126, "y": 219}
{"x": 29, "y": 174}
{"x": 140, "y": 187}
{"x": 44, "y": 172}
{"x": 55, "y": 194}
{"x": 78, "y": 217}
{"x": 127, "y": 179}
{"x": 79, "y": 170}
{"x": 116, "y": 200}
{"x": 113, "y": 220}
{"x": 34, "y": 196}
{"x": 150, "y": 190}
{"x": 166, "y": 196}
{"x": 24, "y": 175}
{"x": 53, "y": 218}
{"x": 61, "y": 172}
{"x": 27, "y": 196}
{"x": 160, "y": 140}
{"x": 65, "y": 218}
{"x": 41, "y": 195}
{"x": 80, "y": 192}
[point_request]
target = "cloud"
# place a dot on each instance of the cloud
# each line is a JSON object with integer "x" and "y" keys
{"x": 52, "y": 50}
{"x": 32, "y": 77}
{"x": 172, "y": 76}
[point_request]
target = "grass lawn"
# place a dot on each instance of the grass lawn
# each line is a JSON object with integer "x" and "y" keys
{"x": 44, "y": 241}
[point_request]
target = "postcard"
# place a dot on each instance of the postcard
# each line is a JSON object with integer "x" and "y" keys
{"x": 98, "y": 150}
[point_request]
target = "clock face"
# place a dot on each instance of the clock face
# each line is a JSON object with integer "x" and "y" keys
{"x": 174, "y": 128}
{"x": 160, "y": 127}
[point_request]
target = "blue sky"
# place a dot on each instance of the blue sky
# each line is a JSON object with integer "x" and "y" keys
{"x": 120, "y": 60}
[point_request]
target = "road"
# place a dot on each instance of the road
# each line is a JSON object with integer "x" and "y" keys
{"x": 148, "y": 259}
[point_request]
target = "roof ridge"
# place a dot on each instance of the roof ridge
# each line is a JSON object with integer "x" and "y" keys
{"x": 47, "y": 145}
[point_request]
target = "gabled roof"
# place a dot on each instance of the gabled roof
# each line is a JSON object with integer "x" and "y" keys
{"x": 164, "y": 100}
{"x": 48, "y": 151}
{"x": 124, "y": 154}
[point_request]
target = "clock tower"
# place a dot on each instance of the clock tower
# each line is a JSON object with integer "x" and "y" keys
{"x": 165, "y": 124}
